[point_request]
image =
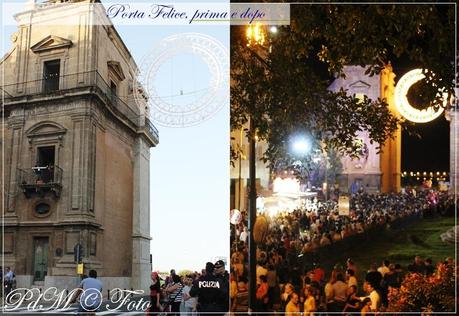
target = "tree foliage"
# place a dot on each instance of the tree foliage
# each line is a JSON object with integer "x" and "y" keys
{"x": 282, "y": 86}
{"x": 419, "y": 292}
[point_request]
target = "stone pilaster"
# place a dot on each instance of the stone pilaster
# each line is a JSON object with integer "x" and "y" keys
{"x": 141, "y": 217}
{"x": 16, "y": 126}
{"x": 83, "y": 164}
{"x": 453, "y": 117}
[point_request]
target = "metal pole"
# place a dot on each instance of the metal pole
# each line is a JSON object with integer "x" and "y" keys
{"x": 326, "y": 177}
{"x": 252, "y": 218}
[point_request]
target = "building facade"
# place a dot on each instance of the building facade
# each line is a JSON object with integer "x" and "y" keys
{"x": 77, "y": 149}
{"x": 453, "y": 117}
{"x": 366, "y": 170}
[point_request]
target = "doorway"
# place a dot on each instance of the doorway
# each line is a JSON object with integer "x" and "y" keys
{"x": 40, "y": 258}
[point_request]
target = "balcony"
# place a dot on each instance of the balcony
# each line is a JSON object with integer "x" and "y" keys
{"x": 74, "y": 85}
{"x": 40, "y": 180}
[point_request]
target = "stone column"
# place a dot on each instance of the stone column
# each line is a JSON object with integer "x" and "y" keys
{"x": 141, "y": 217}
{"x": 391, "y": 155}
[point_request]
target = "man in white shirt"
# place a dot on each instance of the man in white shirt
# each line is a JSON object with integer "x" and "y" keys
{"x": 373, "y": 295}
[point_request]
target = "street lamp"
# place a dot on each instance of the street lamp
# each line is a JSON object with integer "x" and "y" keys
{"x": 301, "y": 146}
{"x": 255, "y": 34}
{"x": 256, "y": 37}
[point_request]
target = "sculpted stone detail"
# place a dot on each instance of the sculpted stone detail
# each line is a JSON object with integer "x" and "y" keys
{"x": 51, "y": 42}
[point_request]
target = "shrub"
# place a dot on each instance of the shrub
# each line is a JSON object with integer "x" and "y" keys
{"x": 419, "y": 292}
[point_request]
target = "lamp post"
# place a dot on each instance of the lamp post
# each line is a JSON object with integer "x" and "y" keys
{"x": 240, "y": 170}
{"x": 256, "y": 38}
{"x": 252, "y": 217}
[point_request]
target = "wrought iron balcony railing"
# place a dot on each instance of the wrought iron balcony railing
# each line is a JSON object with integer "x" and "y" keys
{"x": 40, "y": 180}
{"x": 71, "y": 84}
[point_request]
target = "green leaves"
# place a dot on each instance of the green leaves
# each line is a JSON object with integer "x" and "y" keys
{"x": 284, "y": 87}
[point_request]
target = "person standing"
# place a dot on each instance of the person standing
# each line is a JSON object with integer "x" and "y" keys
{"x": 155, "y": 294}
{"x": 292, "y": 308}
{"x": 262, "y": 295}
{"x": 272, "y": 284}
{"x": 223, "y": 278}
{"x": 374, "y": 296}
{"x": 352, "y": 302}
{"x": 374, "y": 277}
{"x": 175, "y": 294}
{"x": 9, "y": 280}
{"x": 339, "y": 293}
{"x": 207, "y": 290}
{"x": 351, "y": 279}
{"x": 384, "y": 268}
{"x": 310, "y": 302}
{"x": 188, "y": 303}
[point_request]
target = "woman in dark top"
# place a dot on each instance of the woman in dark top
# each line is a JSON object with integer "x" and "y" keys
{"x": 353, "y": 302}
{"x": 391, "y": 278}
{"x": 155, "y": 292}
{"x": 175, "y": 294}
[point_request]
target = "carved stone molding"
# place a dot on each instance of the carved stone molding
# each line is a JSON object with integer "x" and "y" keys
{"x": 115, "y": 69}
{"x": 51, "y": 42}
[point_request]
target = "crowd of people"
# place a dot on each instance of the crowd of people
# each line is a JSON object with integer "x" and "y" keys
{"x": 337, "y": 291}
{"x": 287, "y": 284}
{"x": 192, "y": 294}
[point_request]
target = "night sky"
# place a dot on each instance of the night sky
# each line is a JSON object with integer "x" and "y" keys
{"x": 429, "y": 149}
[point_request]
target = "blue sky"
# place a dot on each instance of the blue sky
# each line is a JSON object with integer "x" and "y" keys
{"x": 189, "y": 169}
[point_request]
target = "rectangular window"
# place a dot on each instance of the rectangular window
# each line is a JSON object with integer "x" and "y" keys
{"x": 46, "y": 155}
{"x": 112, "y": 89}
{"x": 51, "y": 74}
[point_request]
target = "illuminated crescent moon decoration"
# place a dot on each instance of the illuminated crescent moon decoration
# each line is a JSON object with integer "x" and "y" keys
{"x": 404, "y": 107}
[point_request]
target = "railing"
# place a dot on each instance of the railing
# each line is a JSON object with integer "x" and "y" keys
{"x": 151, "y": 128}
{"x": 40, "y": 179}
{"x": 73, "y": 83}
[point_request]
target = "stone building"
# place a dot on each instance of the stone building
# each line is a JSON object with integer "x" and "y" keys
{"x": 76, "y": 145}
{"x": 373, "y": 171}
